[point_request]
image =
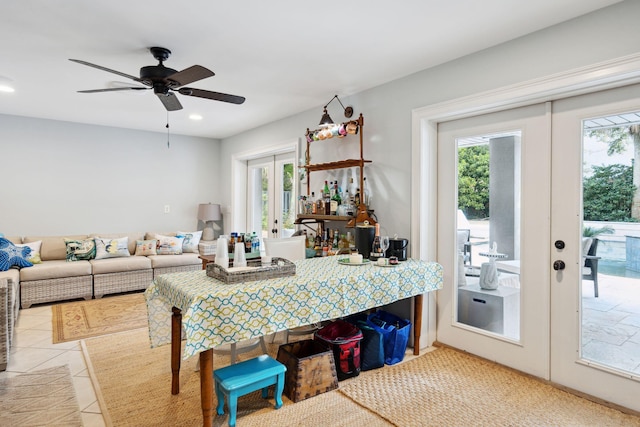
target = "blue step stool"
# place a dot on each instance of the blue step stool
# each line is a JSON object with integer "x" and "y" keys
{"x": 245, "y": 377}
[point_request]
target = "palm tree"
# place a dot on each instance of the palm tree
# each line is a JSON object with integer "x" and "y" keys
{"x": 617, "y": 138}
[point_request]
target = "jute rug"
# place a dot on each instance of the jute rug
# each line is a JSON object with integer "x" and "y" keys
{"x": 441, "y": 388}
{"x": 84, "y": 319}
{"x": 449, "y": 388}
{"x": 40, "y": 398}
{"x": 133, "y": 386}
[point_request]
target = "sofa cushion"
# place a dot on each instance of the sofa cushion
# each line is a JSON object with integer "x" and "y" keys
{"x": 191, "y": 240}
{"x": 169, "y": 245}
{"x": 131, "y": 236}
{"x": 161, "y": 261}
{"x": 80, "y": 249}
{"x": 146, "y": 247}
{"x": 112, "y": 247}
{"x": 14, "y": 239}
{"x": 53, "y": 247}
{"x": 55, "y": 269}
{"x": 34, "y": 256}
{"x": 11, "y": 255}
{"x": 119, "y": 265}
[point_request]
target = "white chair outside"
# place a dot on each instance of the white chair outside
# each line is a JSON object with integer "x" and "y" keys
{"x": 292, "y": 249}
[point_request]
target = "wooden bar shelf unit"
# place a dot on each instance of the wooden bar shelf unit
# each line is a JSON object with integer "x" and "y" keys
{"x": 362, "y": 213}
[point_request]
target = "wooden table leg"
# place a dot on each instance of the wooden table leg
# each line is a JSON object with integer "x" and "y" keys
{"x": 417, "y": 324}
{"x": 206, "y": 387}
{"x": 176, "y": 344}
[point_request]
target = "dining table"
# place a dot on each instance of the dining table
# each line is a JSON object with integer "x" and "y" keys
{"x": 207, "y": 312}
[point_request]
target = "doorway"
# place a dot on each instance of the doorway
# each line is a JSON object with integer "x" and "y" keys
{"x": 271, "y": 195}
{"x": 563, "y": 331}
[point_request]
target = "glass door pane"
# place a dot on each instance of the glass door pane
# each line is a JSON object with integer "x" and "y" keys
{"x": 611, "y": 242}
{"x": 259, "y": 173}
{"x": 488, "y": 231}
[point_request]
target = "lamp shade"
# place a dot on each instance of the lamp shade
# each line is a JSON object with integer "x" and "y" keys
{"x": 209, "y": 212}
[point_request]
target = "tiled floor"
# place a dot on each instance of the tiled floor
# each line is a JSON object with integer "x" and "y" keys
{"x": 611, "y": 322}
{"x": 611, "y": 335}
{"x": 33, "y": 350}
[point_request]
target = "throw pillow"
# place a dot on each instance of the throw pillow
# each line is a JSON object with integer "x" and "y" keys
{"x": 169, "y": 245}
{"x": 191, "y": 240}
{"x": 11, "y": 255}
{"x": 146, "y": 247}
{"x": 34, "y": 256}
{"x": 79, "y": 250}
{"x": 112, "y": 248}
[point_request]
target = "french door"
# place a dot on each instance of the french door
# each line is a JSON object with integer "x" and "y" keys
{"x": 511, "y": 200}
{"x": 595, "y": 340}
{"x": 271, "y": 195}
{"x": 508, "y": 223}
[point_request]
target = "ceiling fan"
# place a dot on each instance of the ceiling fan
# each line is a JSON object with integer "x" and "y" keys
{"x": 164, "y": 81}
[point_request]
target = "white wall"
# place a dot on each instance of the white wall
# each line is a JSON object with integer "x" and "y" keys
{"x": 609, "y": 33}
{"x": 68, "y": 178}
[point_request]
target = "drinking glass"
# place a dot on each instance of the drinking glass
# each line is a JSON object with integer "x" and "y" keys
{"x": 384, "y": 245}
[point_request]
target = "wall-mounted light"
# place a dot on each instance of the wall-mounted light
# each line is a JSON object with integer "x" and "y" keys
{"x": 195, "y": 117}
{"x": 6, "y": 85}
{"x": 326, "y": 119}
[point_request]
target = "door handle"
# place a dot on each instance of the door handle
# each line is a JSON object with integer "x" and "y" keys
{"x": 558, "y": 265}
{"x": 559, "y": 244}
{"x": 274, "y": 230}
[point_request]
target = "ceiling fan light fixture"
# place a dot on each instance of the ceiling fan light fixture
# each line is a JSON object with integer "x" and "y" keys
{"x": 195, "y": 117}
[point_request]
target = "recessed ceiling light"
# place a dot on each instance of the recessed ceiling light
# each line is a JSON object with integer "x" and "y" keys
{"x": 195, "y": 117}
{"x": 6, "y": 85}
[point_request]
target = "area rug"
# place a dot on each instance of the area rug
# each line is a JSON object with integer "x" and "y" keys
{"x": 450, "y": 388}
{"x": 107, "y": 315}
{"x": 39, "y": 398}
{"x": 133, "y": 386}
{"x": 441, "y": 388}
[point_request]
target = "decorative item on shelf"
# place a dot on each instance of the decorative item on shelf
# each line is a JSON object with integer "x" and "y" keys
{"x": 326, "y": 121}
{"x": 208, "y": 213}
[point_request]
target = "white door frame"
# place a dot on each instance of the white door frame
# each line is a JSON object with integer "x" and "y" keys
{"x": 424, "y": 137}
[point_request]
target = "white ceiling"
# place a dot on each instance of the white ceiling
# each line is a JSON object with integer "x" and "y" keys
{"x": 284, "y": 56}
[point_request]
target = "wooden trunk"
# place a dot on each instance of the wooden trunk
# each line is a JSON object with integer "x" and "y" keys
{"x": 311, "y": 369}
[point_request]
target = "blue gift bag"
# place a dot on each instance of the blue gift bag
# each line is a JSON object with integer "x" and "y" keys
{"x": 395, "y": 334}
{"x": 372, "y": 345}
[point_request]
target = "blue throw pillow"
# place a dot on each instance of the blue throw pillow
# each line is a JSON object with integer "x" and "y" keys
{"x": 11, "y": 255}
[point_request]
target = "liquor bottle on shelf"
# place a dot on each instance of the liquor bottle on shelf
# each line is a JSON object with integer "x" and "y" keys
{"x": 356, "y": 198}
{"x": 312, "y": 203}
{"x": 326, "y": 201}
{"x": 325, "y": 190}
{"x": 352, "y": 187}
{"x": 336, "y": 200}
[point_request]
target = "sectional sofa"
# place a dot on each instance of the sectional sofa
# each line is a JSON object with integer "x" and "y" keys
{"x": 129, "y": 262}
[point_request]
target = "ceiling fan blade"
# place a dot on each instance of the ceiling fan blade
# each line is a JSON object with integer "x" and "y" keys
{"x": 189, "y": 75}
{"x": 99, "y": 67}
{"x": 113, "y": 89}
{"x": 216, "y": 96}
{"x": 170, "y": 101}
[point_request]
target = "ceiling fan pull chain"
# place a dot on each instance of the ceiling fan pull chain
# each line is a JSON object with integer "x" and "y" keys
{"x": 168, "y": 143}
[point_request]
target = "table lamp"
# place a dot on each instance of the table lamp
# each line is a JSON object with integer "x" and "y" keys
{"x": 207, "y": 213}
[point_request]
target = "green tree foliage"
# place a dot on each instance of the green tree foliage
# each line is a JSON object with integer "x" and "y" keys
{"x": 473, "y": 181}
{"x": 617, "y": 138}
{"x": 608, "y": 193}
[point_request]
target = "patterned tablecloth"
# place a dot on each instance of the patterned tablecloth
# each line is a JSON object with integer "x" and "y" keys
{"x": 215, "y": 313}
